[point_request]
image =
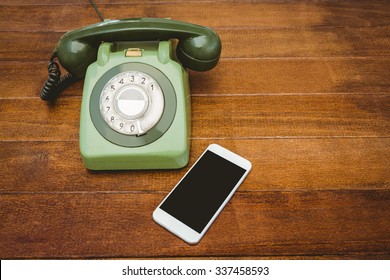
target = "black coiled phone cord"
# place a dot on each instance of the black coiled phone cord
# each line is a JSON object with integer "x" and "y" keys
{"x": 55, "y": 82}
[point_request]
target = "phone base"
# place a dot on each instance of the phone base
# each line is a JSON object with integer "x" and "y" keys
{"x": 170, "y": 150}
{"x": 136, "y": 160}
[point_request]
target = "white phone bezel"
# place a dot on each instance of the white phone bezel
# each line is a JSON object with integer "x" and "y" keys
{"x": 180, "y": 229}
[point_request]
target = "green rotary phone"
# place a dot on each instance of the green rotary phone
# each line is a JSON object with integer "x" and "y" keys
{"x": 135, "y": 110}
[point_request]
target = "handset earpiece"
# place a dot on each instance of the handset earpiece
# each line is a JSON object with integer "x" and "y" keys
{"x": 199, "y": 53}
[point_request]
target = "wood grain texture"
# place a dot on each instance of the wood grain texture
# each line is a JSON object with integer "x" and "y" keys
{"x": 264, "y": 116}
{"x": 278, "y": 164}
{"x": 254, "y": 224}
{"x": 264, "y": 14}
{"x": 242, "y": 76}
{"x": 301, "y": 90}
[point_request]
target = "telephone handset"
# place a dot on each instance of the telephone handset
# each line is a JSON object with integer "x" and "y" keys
{"x": 135, "y": 111}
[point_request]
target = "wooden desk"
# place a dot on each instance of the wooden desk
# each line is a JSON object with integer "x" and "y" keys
{"x": 302, "y": 90}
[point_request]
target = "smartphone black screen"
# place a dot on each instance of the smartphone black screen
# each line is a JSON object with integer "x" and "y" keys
{"x": 203, "y": 190}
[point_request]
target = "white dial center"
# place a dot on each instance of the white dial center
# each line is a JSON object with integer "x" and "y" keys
{"x": 131, "y": 102}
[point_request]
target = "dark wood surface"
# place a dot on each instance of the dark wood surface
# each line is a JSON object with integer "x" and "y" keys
{"x": 302, "y": 90}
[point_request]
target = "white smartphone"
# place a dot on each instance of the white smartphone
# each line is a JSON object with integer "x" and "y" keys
{"x": 193, "y": 205}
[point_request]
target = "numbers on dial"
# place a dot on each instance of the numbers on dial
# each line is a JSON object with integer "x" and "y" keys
{"x": 131, "y": 103}
{"x": 152, "y": 87}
